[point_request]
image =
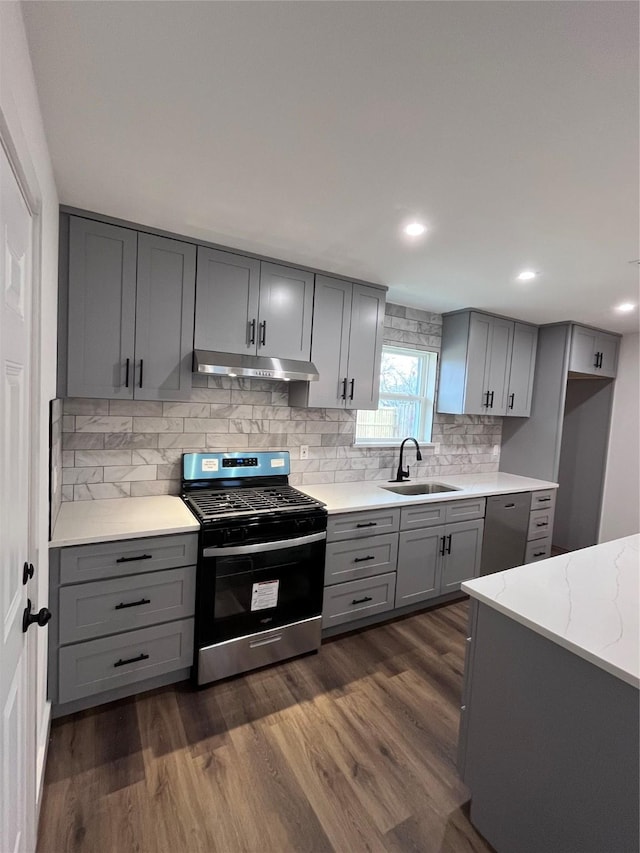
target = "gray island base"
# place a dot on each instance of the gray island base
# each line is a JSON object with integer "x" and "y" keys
{"x": 549, "y": 744}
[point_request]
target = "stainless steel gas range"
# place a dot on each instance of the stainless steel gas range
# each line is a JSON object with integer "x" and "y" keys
{"x": 260, "y": 568}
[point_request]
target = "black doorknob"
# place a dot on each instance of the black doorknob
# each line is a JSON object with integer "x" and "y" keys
{"x": 28, "y": 618}
{"x": 27, "y": 572}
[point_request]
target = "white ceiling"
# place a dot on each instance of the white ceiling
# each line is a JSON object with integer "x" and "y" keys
{"x": 312, "y": 131}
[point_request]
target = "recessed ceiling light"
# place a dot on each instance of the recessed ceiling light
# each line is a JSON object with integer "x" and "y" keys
{"x": 415, "y": 229}
{"x": 526, "y": 275}
{"x": 625, "y": 306}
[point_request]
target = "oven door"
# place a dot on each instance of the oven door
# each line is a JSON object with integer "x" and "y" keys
{"x": 245, "y": 589}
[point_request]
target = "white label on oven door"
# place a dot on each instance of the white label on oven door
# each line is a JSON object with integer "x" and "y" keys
{"x": 264, "y": 595}
{"x": 209, "y": 464}
{"x": 277, "y": 463}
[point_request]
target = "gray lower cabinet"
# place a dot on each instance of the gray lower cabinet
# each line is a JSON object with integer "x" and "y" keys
{"x": 487, "y": 365}
{"x": 122, "y": 618}
{"x": 130, "y": 313}
{"x": 252, "y": 307}
{"x": 540, "y": 528}
{"x": 348, "y": 324}
{"x": 346, "y": 602}
{"x": 374, "y": 555}
{"x": 436, "y": 560}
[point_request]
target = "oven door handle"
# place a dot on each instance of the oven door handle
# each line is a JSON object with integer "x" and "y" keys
{"x": 263, "y": 546}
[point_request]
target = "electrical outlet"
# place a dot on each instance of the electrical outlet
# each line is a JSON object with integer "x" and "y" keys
{"x": 304, "y": 451}
{"x": 496, "y": 449}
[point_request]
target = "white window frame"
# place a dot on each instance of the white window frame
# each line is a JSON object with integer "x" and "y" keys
{"x": 426, "y": 398}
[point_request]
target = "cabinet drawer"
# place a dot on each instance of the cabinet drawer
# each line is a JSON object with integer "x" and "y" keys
{"x": 539, "y": 549}
{"x": 97, "y": 665}
{"x": 347, "y": 561}
{"x": 350, "y": 525}
{"x": 346, "y": 602}
{"x": 107, "y": 607}
{"x": 422, "y": 515}
{"x": 127, "y": 557}
{"x": 465, "y": 510}
{"x": 540, "y": 524}
{"x": 543, "y": 500}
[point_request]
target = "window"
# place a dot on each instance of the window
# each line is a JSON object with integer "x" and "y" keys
{"x": 407, "y": 391}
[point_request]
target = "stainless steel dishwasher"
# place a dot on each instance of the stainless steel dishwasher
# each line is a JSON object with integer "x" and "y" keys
{"x": 505, "y": 532}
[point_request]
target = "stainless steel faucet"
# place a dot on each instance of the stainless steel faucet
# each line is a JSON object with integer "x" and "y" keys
{"x": 402, "y": 474}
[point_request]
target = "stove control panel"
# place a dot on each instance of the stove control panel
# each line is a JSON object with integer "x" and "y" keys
{"x": 216, "y": 466}
{"x": 241, "y": 462}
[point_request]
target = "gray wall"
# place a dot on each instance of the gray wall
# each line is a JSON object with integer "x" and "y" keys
{"x": 55, "y": 461}
{"x": 117, "y": 448}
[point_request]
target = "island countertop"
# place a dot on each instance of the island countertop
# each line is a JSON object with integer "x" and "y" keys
{"x": 352, "y": 497}
{"x": 586, "y": 601}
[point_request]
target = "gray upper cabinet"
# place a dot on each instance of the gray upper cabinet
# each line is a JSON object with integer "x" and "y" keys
{"x": 250, "y": 307}
{"x": 131, "y": 301}
{"x": 102, "y": 304}
{"x": 523, "y": 363}
{"x": 165, "y": 296}
{"x": 486, "y": 366}
{"x": 593, "y": 352}
{"x": 227, "y": 297}
{"x": 348, "y": 322}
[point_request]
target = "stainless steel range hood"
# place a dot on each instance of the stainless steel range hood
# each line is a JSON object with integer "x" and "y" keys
{"x": 257, "y": 366}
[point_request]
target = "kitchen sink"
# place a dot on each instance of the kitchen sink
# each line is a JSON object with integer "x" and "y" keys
{"x": 420, "y": 488}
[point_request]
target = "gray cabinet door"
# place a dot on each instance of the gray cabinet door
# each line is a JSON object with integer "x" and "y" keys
{"x": 477, "y": 356}
{"x": 607, "y": 346}
{"x": 584, "y": 345}
{"x": 523, "y": 362}
{"x": 164, "y": 318}
{"x": 463, "y": 549}
{"x": 285, "y": 311}
{"x": 419, "y": 565}
{"x": 330, "y": 346}
{"x": 496, "y": 380}
{"x": 102, "y": 295}
{"x": 365, "y": 347}
{"x": 227, "y": 296}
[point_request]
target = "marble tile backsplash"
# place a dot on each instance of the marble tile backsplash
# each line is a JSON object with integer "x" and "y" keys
{"x": 122, "y": 448}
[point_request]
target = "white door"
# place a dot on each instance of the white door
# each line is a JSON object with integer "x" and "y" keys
{"x": 17, "y": 708}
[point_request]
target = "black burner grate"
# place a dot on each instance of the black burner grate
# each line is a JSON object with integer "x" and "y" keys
{"x": 213, "y": 503}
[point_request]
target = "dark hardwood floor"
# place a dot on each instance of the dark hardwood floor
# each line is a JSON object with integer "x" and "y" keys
{"x": 349, "y": 750}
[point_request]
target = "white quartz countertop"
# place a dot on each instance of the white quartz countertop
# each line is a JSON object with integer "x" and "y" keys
{"x": 586, "y": 601}
{"x": 84, "y": 522}
{"x": 350, "y": 497}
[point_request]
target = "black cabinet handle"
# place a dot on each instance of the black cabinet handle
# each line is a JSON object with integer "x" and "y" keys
{"x": 353, "y": 388}
{"x": 509, "y": 506}
{"x": 141, "y": 369}
{"x": 368, "y": 524}
{"x": 486, "y": 402}
{"x": 363, "y": 559}
{"x": 27, "y": 572}
{"x": 131, "y": 660}
{"x": 491, "y": 403}
{"x": 263, "y": 333}
{"x": 133, "y": 559}
{"x": 133, "y": 604}
{"x": 449, "y": 537}
{"x": 597, "y": 361}
{"x": 252, "y": 331}
{"x": 344, "y": 388}
{"x": 601, "y": 357}
{"x": 538, "y": 553}
{"x": 443, "y": 546}
{"x": 541, "y": 523}
{"x": 543, "y": 500}
{"x": 362, "y": 600}
{"x": 512, "y": 397}
{"x": 126, "y": 372}
{"x": 40, "y": 618}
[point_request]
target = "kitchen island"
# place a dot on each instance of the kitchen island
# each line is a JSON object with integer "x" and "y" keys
{"x": 549, "y": 741}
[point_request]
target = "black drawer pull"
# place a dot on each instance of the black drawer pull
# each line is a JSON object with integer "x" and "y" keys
{"x": 541, "y": 523}
{"x": 133, "y": 604}
{"x": 509, "y": 506}
{"x": 539, "y": 553}
{"x": 131, "y": 660}
{"x": 368, "y": 524}
{"x": 362, "y": 600}
{"x": 363, "y": 559}
{"x": 133, "y": 559}
{"x": 543, "y": 500}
